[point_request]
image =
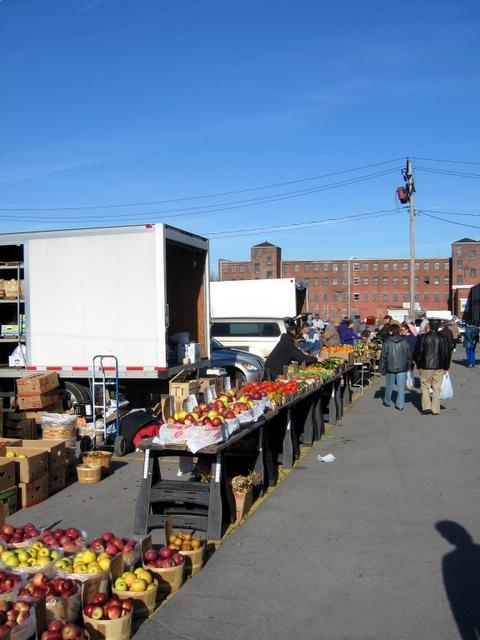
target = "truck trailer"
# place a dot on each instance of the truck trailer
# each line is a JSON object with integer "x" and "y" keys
{"x": 121, "y": 291}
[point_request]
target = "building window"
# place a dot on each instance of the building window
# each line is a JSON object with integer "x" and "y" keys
{"x": 446, "y": 266}
{"x": 394, "y": 280}
{"x": 225, "y": 268}
{"x": 385, "y": 266}
{"x": 472, "y": 272}
{"x": 436, "y": 297}
{"x": 384, "y": 297}
{"x": 334, "y": 280}
{"x": 436, "y": 280}
{"x": 306, "y": 282}
{"x": 459, "y": 264}
{"x": 375, "y": 280}
{"x": 404, "y": 280}
{"x": 446, "y": 297}
{"x": 325, "y": 266}
{"x": 315, "y": 297}
{"x": 325, "y": 297}
{"x": 417, "y": 297}
{"x": 459, "y": 250}
{"x": 375, "y": 297}
{"x": 395, "y": 297}
{"x": 296, "y": 268}
{"x": 325, "y": 282}
{"x": 426, "y": 296}
{"x": 405, "y": 297}
{"x": 335, "y": 267}
{"x": 417, "y": 280}
{"x": 356, "y": 280}
{"x": 316, "y": 266}
{"x": 234, "y": 268}
{"x": 306, "y": 266}
{"x": 256, "y": 266}
{"x": 356, "y": 266}
{"x": 417, "y": 266}
{"x": 257, "y": 253}
{"x": 459, "y": 279}
{"x": 426, "y": 280}
{"x": 426, "y": 266}
{"x": 286, "y": 268}
{"x": 365, "y": 266}
{"x": 334, "y": 296}
{"x": 365, "y": 297}
{"x": 395, "y": 266}
{"x": 241, "y": 268}
{"x": 384, "y": 280}
{"x": 436, "y": 266}
{"x": 405, "y": 266}
{"x": 365, "y": 281}
{"x": 472, "y": 254}
{"x": 316, "y": 282}
{"x": 344, "y": 281}
{"x": 375, "y": 266}
{"x": 356, "y": 297}
{"x": 269, "y": 259}
{"x": 269, "y": 274}
{"x": 344, "y": 266}
{"x": 446, "y": 280}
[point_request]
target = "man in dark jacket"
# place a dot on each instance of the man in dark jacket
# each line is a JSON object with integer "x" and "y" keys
{"x": 285, "y": 352}
{"x": 394, "y": 364}
{"x": 432, "y": 356}
{"x": 384, "y": 332}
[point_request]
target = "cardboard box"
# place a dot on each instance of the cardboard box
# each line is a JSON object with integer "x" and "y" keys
{"x": 7, "y": 473}
{"x": 54, "y": 448}
{"x": 9, "y": 499}
{"x": 56, "y": 481}
{"x": 33, "y": 466}
{"x": 56, "y": 407}
{"x": 38, "y": 401}
{"x": 33, "y": 492}
{"x": 38, "y": 383}
{"x": 19, "y": 429}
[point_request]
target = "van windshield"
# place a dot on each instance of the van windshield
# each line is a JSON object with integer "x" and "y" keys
{"x": 246, "y": 329}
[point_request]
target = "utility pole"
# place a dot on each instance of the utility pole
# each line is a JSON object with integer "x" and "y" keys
{"x": 409, "y": 191}
{"x": 349, "y": 290}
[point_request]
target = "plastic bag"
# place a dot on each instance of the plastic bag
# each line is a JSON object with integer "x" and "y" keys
{"x": 446, "y": 390}
{"x": 410, "y": 384}
{"x": 173, "y": 434}
{"x": 203, "y": 437}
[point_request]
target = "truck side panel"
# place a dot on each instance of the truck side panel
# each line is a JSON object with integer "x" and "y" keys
{"x": 276, "y": 298}
{"x": 95, "y": 294}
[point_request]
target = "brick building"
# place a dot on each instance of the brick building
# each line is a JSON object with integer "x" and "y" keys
{"x": 465, "y": 272}
{"x": 372, "y": 286}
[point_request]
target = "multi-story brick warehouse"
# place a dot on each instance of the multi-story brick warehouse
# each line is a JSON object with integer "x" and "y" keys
{"x": 372, "y": 286}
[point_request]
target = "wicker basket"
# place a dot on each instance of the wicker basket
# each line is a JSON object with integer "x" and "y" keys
{"x": 169, "y": 579}
{"x": 119, "y": 629}
{"x": 95, "y": 458}
{"x": 89, "y": 474}
{"x": 143, "y": 601}
{"x": 193, "y": 560}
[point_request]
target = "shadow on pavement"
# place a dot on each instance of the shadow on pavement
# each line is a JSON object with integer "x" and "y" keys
{"x": 461, "y": 578}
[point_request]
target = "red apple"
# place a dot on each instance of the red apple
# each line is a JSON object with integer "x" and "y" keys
{"x": 127, "y": 604}
{"x": 96, "y": 613}
{"x": 70, "y": 631}
{"x": 178, "y": 558}
{"x": 150, "y": 555}
{"x": 99, "y": 598}
{"x": 114, "y": 613}
{"x": 58, "y": 533}
{"x": 165, "y": 552}
{"x": 119, "y": 543}
{"x": 107, "y": 536}
{"x": 73, "y": 533}
{"x": 88, "y": 610}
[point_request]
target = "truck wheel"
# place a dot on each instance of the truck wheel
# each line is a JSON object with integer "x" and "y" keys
{"x": 76, "y": 393}
{"x": 120, "y": 446}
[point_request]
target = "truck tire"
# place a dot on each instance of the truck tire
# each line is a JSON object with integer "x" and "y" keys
{"x": 120, "y": 446}
{"x": 77, "y": 393}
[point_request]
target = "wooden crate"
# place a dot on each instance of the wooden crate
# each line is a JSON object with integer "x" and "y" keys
{"x": 37, "y": 383}
{"x": 33, "y": 492}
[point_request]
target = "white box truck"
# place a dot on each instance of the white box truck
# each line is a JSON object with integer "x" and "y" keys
{"x": 122, "y": 291}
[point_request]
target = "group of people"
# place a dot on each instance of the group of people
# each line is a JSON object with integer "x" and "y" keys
{"x": 430, "y": 349}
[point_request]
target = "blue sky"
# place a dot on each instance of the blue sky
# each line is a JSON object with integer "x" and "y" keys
{"x": 110, "y": 102}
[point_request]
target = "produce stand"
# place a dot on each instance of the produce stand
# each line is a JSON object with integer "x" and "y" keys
{"x": 276, "y": 435}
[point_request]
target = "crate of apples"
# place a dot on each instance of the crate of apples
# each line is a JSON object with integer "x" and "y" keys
{"x": 141, "y": 587}
{"x": 19, "y": 536}
{"x": 17, "y": 617}
{"x": 112, "y": 544}
{"x": 84, "y": 562}
{"x": 28, "y": 560}
{"x": 108, "y": 618}
{"x": 62, "y": 596}
{"x": 168, "y": 567}
{"x": 70, "y": 540}
{"x": 191, "y": 548}
{"x": 8, "y": 582}
{"x": 59, "y": 630}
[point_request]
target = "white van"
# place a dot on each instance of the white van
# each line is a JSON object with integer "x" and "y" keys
{"x": 257, "y": 335}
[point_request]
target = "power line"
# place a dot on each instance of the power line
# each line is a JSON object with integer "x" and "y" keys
{"x": 449, "y": 213}
{"x": 449, "y": 172}
{"x": 459, "y": 224}
{"x": 446, "y": 161}
{"x": 199, "y": 197}
{"x": 218, "y": 208}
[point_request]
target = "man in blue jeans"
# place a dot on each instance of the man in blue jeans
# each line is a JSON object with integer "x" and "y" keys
{"x": 395, "y": 362}
{"x": 470, "y": 340}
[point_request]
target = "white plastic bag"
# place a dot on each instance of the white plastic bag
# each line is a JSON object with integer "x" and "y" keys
{"x": 410, "y": 384}
{"x": 446, "y": 390}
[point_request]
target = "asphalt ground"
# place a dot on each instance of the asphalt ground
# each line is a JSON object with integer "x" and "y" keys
{"x": 347, "y": 550}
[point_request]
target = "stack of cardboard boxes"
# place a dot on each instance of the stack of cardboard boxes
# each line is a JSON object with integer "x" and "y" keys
{"x": 30, "y": 471}
{"x": 36, "y": 394}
